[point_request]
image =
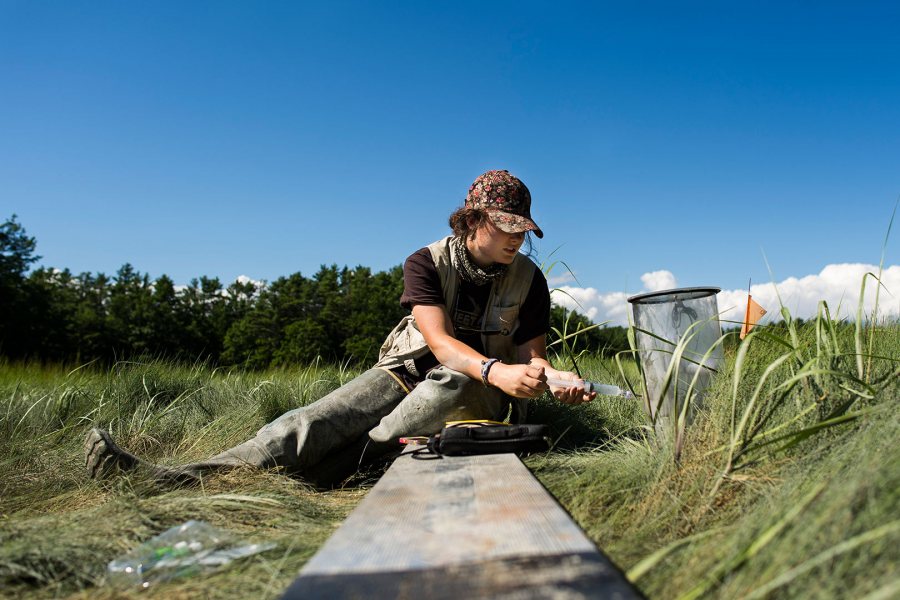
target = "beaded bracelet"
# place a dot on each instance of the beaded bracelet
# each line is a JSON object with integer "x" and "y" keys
{"x": 486, "y": 368}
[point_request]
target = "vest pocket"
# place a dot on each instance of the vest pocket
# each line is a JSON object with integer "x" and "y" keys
{"x": 503, "y": 319}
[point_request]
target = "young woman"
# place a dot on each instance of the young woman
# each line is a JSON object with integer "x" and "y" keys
{"x": 474, "y": 347}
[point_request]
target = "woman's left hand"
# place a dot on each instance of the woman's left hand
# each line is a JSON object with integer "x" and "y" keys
{"x": 570, "y": 394}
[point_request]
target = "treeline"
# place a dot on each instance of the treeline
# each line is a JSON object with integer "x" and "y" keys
{"x": 338, "y": 314}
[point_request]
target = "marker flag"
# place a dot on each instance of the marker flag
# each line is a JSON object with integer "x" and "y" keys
{"x": 755, "y": 312}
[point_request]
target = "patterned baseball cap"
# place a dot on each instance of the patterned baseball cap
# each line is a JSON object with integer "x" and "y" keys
{"x": 506, "y": 201}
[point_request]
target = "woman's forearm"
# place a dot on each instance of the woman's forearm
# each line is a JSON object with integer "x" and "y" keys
{"x": 458, "y": 356}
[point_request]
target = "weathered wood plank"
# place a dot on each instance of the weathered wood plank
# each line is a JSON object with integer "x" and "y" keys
{"x": 459, "y": 527}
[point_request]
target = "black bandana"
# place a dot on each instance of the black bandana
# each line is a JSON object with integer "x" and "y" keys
{"x": 468, "y": 270}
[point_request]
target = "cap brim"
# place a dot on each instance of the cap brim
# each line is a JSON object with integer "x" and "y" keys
{"x": 511, "y": 223}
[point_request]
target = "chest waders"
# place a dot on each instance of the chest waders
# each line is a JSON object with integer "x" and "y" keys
{"x": 331, "y": 437}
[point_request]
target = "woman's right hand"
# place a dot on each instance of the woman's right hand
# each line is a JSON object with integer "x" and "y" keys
{"x": 519, "y": 381}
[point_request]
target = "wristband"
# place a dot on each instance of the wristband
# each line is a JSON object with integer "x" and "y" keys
{"x": 486, "y": 368}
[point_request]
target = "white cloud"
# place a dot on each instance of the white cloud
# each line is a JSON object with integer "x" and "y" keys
{"x": 258, "y": 286}
{"x": 245, "y": 279}
{"x": 658, "y": 280}
{"x": 566, "y": 277}
{"x": 837, "y": 284}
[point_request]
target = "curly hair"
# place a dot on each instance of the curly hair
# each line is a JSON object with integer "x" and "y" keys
{"x": 459, "y": 221}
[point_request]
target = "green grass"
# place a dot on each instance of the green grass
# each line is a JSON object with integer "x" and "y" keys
{"x": 58, "y": 530}
{"x": 801, "y": 501}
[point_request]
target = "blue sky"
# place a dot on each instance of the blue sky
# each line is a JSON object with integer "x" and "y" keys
{"x": 262, "y": 139}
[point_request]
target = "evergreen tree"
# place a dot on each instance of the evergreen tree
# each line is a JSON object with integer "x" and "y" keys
{"x": 92, "y": 336}
{"x": 339, "y": 314}
{"x": 167, "y": 335}
{"x": 16, "y": 255}
{"x": 50, "y": 327}
{"x": 129, "y": 313}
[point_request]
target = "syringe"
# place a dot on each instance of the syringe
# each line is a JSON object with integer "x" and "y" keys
{"x": 604, "y": 389}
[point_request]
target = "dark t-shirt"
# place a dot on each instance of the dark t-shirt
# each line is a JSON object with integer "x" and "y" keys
{"x": 422, "y": 285}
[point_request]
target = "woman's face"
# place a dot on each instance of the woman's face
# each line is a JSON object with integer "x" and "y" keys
{"x": 492, "y": 245}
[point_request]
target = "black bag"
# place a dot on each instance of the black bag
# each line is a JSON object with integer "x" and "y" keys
{"x": 460, "y": 440}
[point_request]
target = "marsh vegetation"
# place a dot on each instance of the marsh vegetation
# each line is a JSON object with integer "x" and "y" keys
{"x": 786, "y": 486}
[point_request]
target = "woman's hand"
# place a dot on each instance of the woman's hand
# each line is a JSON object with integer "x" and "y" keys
{"x": 519, "y": 381}
{"x": 571, "y": 394}
{"x": 534, "y": 352}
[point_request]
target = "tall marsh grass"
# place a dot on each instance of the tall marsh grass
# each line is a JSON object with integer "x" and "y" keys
{"x": 58, "y": 529}
{"x": 786, "y": 485}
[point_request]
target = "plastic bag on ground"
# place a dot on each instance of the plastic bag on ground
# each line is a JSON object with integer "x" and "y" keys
{"x": 188, "y": 549}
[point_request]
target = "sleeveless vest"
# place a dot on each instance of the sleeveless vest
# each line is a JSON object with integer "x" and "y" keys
{"x": 405, "y": 342}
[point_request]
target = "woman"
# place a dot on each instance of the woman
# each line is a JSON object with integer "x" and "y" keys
{"x": 474, "y": 347}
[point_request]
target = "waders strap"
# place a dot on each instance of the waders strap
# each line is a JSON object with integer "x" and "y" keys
{"x": 396, "y": 377}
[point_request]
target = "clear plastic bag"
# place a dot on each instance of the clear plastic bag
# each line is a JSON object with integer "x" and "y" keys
{"x": 188, "y": 549}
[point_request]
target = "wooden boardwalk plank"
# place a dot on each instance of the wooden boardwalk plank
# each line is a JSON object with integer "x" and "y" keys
{"x": 459, "y": 527}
